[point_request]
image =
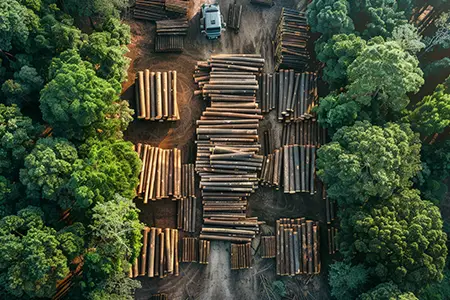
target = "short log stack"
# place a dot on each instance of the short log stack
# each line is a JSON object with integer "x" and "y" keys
{"x": 330, "y": 207}
{"x": 160, "y": 176}
{"x": 156, "y": 96}
{"x": 291, "y": 40}
{"x": 333, "y": 246}
{"x": 150, "y": 10}
{"x": 159, "y": 254}
{"x": 172, "y": 27}
{"x": 170, "y": 35}
{"x": 293, "y": 95}
{"x": 234, "y": 16}
{"x": 169, "y": 43}
{"x": 298, "y": 247}
{"x": 187, "y": 205}
{"x": 268, "y": 246}
{"x": 293, "y": 165}
{"x": 177, "y": 6}
{"x": 189, "y": 249}
{"x": 203, "y": 251}
{"x": 160, "y": 296}
{"x": 241, "y": 256}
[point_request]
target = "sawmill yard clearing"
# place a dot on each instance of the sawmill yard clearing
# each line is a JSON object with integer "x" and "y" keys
{"x": 216, "y": 280}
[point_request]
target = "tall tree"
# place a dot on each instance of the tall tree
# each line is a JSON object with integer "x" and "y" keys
{"x": 330, "y": 17}
{"x": 366, "y": 161}
{"x": 15, "y": 26}
{"x": 387, "y": 291}
{"x": 384, "y": 16}
{"x": 347, "y": 281}
{"x": 24, "y": 87}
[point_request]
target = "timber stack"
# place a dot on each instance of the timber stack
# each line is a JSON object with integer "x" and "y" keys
{"x": 241, "y": 256}
{"x": 227, "y": 144}
{"x": 291, "y": 40}
{"x": 170, "y": 35}
{"x": 187, "y": 204}
{"x": 268, "y": 246}
{"x": 333, "y": 246}
{"x": 150, "y": 10}
{"x": 293, "y": 95}
{"x": 177, "y": 6}
{"x": 156, "y": 96}
{"x": 330, "y": 207}
{"x": 189, "y": 249}
{"x": 234, "y": 16}
{"x": 160, "y": 176}
{"x": 159, "y": 254}
{"x": 160, "y": 296}
{"x": 204, "y": 249}
{"x": 298, "y": 247}
{"x": 293, "y": 165}
{"x": 263, "y": 2}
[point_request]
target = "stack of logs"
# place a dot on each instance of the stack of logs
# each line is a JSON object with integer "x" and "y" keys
{"x": 330, "y": 207}
{"x": 293, "y": 95}
{"x": 170, "y": 35}
{"x": 268, "y": 246}
{"x": 177, "y": 6}
{"x": 333, "y": 246}
{"x": 203, "y": 251}
{"x": 291, "y": 40}
{"x": 298, "y": 247}
{"x": 160, "y": 176}
{"x": 160, "y": 296}
{"x": 156, "y": 96}
{"x": 234, "y": 16}
{"x": 241, "y": 256}
{"x": 150, "y": 10}
{"x": 189, "y": 249}
{"x": 188, "y": 202}
{"x": 227, "y": 144}
{"x": 159, "y": 254}
{"x": 293, "y": 165}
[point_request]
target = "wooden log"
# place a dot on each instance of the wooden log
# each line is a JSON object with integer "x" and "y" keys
{"x": 151, "y": 258}
{"x": 286, "y": 170}
{"x": 304, "y": 249}
{"x": 165, "y": 91}
{"x": 162, "y": 254}
{"x": 151, "y": 157}
{"x": 138, "y": 113}
{"x": 144, "y": 163}
{"x": 147, "y": 93}
{"x": 135, "y": 268}
{"x": 144, "y": 251}
{"x": 153, "y": 109}
{"x": 313, "y": 170}
{"x": 291, "y": 170}
{"x": 158, "y": 253}
{"x": 316, "y": 249}
{"x": 142, "y": 109}
{"x": 309, "y": 228}
{"x": 296, "y": 252}
{"x": 159, "y": 174}
{"x": 159, "y": 97}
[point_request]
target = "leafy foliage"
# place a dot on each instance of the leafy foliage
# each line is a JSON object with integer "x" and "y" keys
{"x": 89, "y": 8}
{"x": 400, "y": 238}
{"x": 330, "y": 17}
{"x": 437, "y": 290}
{"x": 384, "y": 16}
{"x": 47, "y": 170}
{"x": 387, "y": 291}
{"x": 408, "y": 38}
{"x": 366, "y": 161}
{"x": 14, "y": 28}
{"x": 346, "y": 281}
{"x": 25, "y": 85}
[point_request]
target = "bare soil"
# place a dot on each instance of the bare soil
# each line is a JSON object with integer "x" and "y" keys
{"x": 216, "y": 280}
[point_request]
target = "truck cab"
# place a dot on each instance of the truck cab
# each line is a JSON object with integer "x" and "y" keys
{"x": 211, "y": 21}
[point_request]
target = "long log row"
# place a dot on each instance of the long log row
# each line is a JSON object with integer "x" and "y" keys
{"x": 169, "y": 43}
{"x": 330, "y": 206}
{"x": 291, "y": 40}
{"x": 160, "y": 176}
{"x": 160, "y": 296}
{"x": 234, "y": 16}
{"x": 241, "y": 256}
{"x": 307, "y": 132}
{"x": 293, "y": 95}
{"x": 172, "y": 27}
{"x": 333, "y": 245}
{"x": 298, "y": 247}
{"x": 177, "y": 6}
{"x": 229, "y": 78}
{"x": 203, "y": 251}
{"x": 268, "y": 246}
{"x": 156, "y": 96}
{"x": 189, "y": 249}
{"x": 150, "y": 10}
{"x": 187, "y": 205}
{"x": 159, "y": 254}
{"x": 230, "y": 228}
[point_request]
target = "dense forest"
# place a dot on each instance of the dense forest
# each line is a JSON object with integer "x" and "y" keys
{"x": 389, "y": 151}
{"x": 67, "y": 177}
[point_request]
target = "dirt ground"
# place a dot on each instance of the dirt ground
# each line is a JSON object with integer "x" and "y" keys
{"x": 216, "y": 280}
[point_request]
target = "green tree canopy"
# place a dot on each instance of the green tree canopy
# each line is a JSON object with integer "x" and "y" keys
{"x": 17, "y": 136}
{"x": 15, "y": 25}
{"x": 384, "y": 16}
{"x": 337, "y": 54}
{"x": 366, "y": 161}
{"x": 110, "y": 167}
{"x": 401, "y": 238}
{"x": 330, "y": 17}
{"x": 90, "y": 8}
{"x": 347, "y": 281}
{"x": 408, "y": 38}
{"x": 387, "y": 291}
{"x": 432, "y": 114}
{"x": 32, "y": 259}
{"x": 48, "y": 169}
{"x": 24, "y": 87}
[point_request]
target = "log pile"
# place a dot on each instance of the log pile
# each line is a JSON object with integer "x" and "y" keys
{"x": 160, "y": 296}
{"x": 150, "y": 10}
{"x": 293, "y": 95}
{"x": 188, "y": 201}
{"x": 293, "y": 165}
{"x": 172, "y": 27}
{"x": 263, "y": 2}
{"x": 177, "y": 6}
{"x": 241, "y": 256}
{"x": 156, "y": 96}
{"x": 333, "y": 246}
{"x": 268, "y": 246}
{"x": 170, "y": 35}
{"x": 169, "y": 43}
{"x": 298, "y": 247}
{"x": 234, "y": 16}
{"x": 160, "y": 176}
{"x": 204, "y": 248}
{"x": 189, "y": 249}
{"x": 330, "y": 207}
{"x": 159, "y": 254}
{"x": 227, "y": 144}
{"x": 291, "y": 40}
